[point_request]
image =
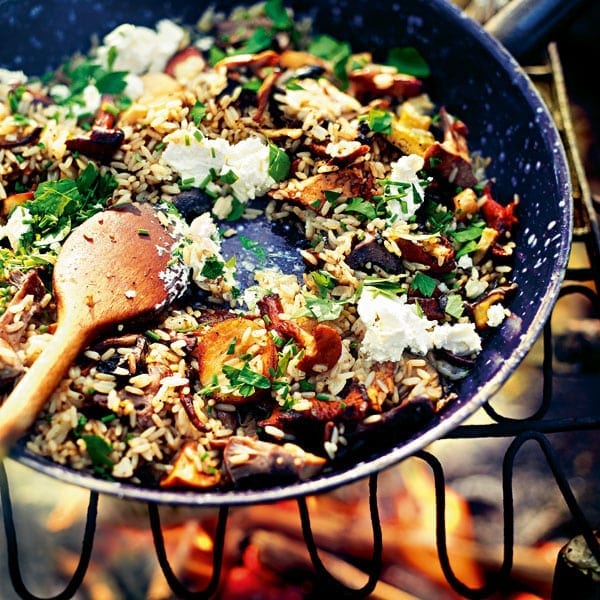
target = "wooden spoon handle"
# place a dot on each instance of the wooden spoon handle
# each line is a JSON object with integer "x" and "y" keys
{"x": 21, "y": 408}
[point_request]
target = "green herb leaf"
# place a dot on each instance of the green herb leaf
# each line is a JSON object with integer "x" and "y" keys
{"x": 454, "y": 306}
{"x": 198, "y": 112}
{"x": 424, "y": 284}
{"x": 98, "y": 450}
{"x": 408, "y": 60}
{"x": 380, "y": 121}
{"x": 276, "y": 11}
{"x": 213, "y": 268}
{"x": 327, "y": 47}
{"x": 255, "y": 247}
{"x": 362, "y": 207}
{"x": 279, "y": 163}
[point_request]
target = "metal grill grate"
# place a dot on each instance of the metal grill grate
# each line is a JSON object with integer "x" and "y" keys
{"x": 536, "y": 427}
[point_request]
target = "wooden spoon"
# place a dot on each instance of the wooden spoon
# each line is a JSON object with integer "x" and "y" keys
{"x": 115, "y": 267}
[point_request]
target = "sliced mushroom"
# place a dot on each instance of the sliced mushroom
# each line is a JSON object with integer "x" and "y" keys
{"x": 322, "y": 347}
{"x": 185, "y": 64}
{"x": 480, "y": 309}
{"x": 103, "y": 140}
{"x": 254, "y": 62}
{"x": 23, "y": 306}
{"x": 238, "y": 343}
{"x": 450, "y": 159}
{"x": 435, "y": 252}
{"x": 11, "y": 202}
{"x": 29, "y": 137}
{"x": 370, "y": 253}
{"x": 311, "y": 192}
{"x": 378, "y": 81}
{"x": 244, "y": 457}
{"x": 187, "y": 470}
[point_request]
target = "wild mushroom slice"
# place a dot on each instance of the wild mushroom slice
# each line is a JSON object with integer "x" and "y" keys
{"x": 378, "y": 81}
{"x": 435, "y": 252}
{"x": 234, "y": 353}
{"x": 451, "y": 158}
{"x": 245, "y": 457}
{"x": 480, "y": 308}
{"x": 322, "y": 347}
{"x": 187, "y": 470}
{"x": 311, "y": 192}
{"x": 25, "y": 303}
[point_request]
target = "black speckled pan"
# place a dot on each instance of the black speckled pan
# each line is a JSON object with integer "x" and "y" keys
{"x": 474, "y": 77}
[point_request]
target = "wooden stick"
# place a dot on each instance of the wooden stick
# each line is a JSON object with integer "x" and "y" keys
{"x": 281, "y": 554}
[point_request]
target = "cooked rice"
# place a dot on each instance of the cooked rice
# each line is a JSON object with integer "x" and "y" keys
{"x": 136, "y": 403}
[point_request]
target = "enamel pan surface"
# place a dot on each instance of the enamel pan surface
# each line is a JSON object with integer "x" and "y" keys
{"x": 474, "y": 77}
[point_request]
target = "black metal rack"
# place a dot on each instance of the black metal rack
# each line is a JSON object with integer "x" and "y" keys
{"x": 536, "y": 427}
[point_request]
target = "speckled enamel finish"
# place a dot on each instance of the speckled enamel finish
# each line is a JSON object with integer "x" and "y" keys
{"x": 474, "y": 77}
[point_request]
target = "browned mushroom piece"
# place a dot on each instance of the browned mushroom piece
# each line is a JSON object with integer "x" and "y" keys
{"x": 353, "y": 407}
{"x": 435, "y": 252}
{"x": 187, "y": 470}
{"x": 344, "y": 157}
{"x": 480, "y": 308}
{"x": 245, "y": 457}
{"x": 264, "y": 94}
{"x": 23, "y": 306}
{"x": 104, "y": 139}
{"x": 254, "y": 62}
{"x": 11, "y": 202}
{"x": 450, "y": 158}
{"x": 185, "y": 64}
{"x": 322, "y": 347}
{"x": 350, "y": 182}
{"x": 378, "y": 81}
{"x": 370, "y": 253}
{"x": 297, "y": 59}
{"x": 236, "y": 343}
{"x": 29, "y": 137}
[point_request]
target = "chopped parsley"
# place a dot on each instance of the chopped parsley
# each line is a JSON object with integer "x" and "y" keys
{"x": 454, "y": 306}
{"x": 408, "y": 60}
{"x": 279, "y": 163}
{"x": 424, "y": 284}
{"x": 245, "y": 381}
{"x": 213, "y": 268}
{"x": 379, "y": 121}
{"x": 198, "y": 112}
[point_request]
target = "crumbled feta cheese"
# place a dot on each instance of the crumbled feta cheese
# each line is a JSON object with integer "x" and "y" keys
{"x": 459, "y": 338}
{"x": 141, "y": 49}
{"x": 8, "y": 77}
{"x": 198, "y": 159}
{"x": 393, "y": 326}
{"x": 405, "y": 170}
{"x": 17, "y": 225}
{"x": 134, "y": 86}
{"x": 475, "y": 287}
{"x": 90, "y": 99}
{"x": 495, "y": 315}
{"x": 465, "y": 262}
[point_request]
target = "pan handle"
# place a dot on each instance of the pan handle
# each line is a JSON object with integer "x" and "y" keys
{"x": 523, "y": 26}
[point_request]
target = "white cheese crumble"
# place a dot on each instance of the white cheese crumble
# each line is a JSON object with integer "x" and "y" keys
{"x": 141, "y": 49}
{"x": 405, "y": 170}
{"x": 17, "y": 225}
{"x": 496, "y": 314}
{"x": 393, "y": 326}
{"x": 196, "y": 159}
{"x": 8, "y": 77}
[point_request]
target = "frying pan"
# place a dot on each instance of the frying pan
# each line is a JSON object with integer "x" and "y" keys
{"x": 477, "y": 80}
